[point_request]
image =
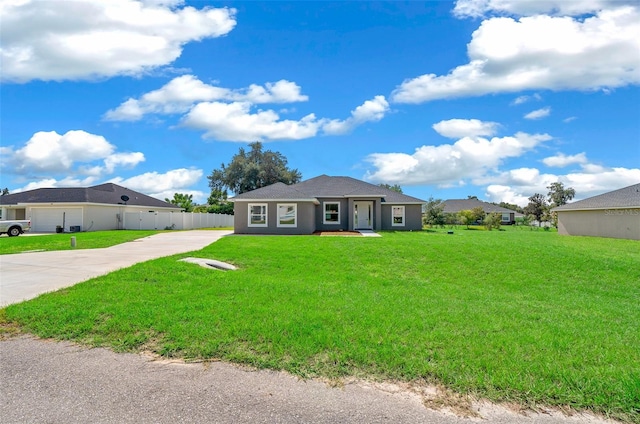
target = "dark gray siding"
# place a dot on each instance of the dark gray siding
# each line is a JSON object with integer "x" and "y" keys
{"x": 306, "y": 219}
{"x": 412, "y": 217}
{"x": 344, "y": 215}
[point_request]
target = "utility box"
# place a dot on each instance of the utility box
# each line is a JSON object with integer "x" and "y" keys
{"x": 74, "y": 228}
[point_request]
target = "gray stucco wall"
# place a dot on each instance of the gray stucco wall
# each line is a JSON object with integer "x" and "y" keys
{"x": 344, "y": 215}
{"x": 306, "y": 219}
{"x": 412, "y": 217}
{"x": 615, "y": 223}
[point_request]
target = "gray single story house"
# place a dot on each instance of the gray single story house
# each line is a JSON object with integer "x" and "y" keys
{"x": 453, "y": 206}
{"x": 96, "y": 208}
{"x": 615, "y": 214}
{"x": 325, "y": 203}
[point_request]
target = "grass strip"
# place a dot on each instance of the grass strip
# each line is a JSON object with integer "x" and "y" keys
{"x": 521, "y": 316}
{"x": 62, "y": 241}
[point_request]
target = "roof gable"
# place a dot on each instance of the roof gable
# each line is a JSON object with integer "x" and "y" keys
{"x": 626, "y": 197}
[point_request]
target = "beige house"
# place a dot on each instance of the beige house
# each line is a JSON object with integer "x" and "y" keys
{"x": 615, "y": 214}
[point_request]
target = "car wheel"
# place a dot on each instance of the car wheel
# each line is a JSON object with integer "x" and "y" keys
{"x": 14, "y": 231}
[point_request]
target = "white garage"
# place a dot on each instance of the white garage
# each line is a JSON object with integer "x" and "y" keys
{"x": 73, "y": 209}
{"x": 46, "y": 220}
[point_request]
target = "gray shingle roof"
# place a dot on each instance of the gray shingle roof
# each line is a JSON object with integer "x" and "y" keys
{"x": 325, "y": 186}
{"x": 627, "y": 197}
{"x": 277, "y": 191}
{"x": 457, "y": 205}
{"x": 108, "y": 193}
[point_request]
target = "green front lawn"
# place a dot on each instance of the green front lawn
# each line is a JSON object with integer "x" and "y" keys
{"x": 88, "y": 240}
{"x": 523, "y": 316}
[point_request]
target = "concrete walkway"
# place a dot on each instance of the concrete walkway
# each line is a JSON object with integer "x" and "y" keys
{"x": 28, "y": 275}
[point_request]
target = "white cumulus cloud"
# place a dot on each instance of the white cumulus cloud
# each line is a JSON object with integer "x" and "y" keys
{"x": 48, "y": 153}
{"x": 538, "y": 113}
{"x": 236, "y": 122}
{"x": 370, "y": 111}
{"x": 164, "y": 185}
{"x": 86, "y": 39}
{"x": 448, "y": 164}
{"x": 181, "y": 93}
{"x": 561, "y": 160}
{"x": 458, "y": 128}
{"x": 524, "y": 99}
{"x": 540, "y": 52}
{"x": 479, "y": 8}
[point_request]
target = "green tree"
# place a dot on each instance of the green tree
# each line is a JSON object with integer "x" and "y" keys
{"x": 478, "y": 214}
{"x": 558, "y": 195}
{"x": 5, "y": 191}
{"x": 537, "y": 207}
{"x": 394, "y": 187}
{"x": 467, "y": 217}
{"x": 185, "y": 201}
{"x": 492, "y": 220}
{"x": 251, "y": 170}
{"x": 434, "y": 213}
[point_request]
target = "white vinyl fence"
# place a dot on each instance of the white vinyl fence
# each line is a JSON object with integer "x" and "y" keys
{"x": 175, "y": 220}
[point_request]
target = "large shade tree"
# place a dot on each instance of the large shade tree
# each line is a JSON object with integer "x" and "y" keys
{"x": 251, "y": 170}
{"x": 558, "y": 195}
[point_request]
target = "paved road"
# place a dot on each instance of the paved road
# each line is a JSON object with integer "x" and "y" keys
{"x": 27, "y": 275}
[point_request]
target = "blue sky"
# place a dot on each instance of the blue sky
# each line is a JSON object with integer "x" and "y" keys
{"x": 493, "y": 98}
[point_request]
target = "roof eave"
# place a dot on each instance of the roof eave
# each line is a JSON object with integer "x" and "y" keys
{"x": 595, "y": 208}
{"x": 313, "y": 200}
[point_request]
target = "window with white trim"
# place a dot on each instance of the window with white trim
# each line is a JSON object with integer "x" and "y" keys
{"x": 331, "y": 213}
{"x": 506, "y": 217}
{"x": 287, "y": 215}
{"x": 397, "y": 216}
{"x": 257, "y": 214}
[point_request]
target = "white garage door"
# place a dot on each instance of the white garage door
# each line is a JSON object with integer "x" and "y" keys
{"x": 45, "y": 220}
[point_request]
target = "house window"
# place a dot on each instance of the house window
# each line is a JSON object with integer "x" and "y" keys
{"x": 397, "y": 216}
{"x": 287, "y": 215}
{"x": 257, "y": 215}
{"x": 331, "y": 213}
{"x": 506, "y": 217}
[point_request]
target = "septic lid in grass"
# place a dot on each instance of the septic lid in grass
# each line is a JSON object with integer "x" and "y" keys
{"x": 210, "y": 263}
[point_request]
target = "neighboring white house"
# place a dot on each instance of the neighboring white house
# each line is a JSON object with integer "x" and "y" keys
{"x": 101, "y": 207}
{"x": 614, "y": 214}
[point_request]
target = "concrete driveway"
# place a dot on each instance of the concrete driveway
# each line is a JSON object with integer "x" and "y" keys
{"x": 28, "y": 275}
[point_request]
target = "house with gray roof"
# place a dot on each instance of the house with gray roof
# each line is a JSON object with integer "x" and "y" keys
{"x": 614, "y": 214}
{"x": 101, "y": 207}
{"x": 325, "y": 203}
{"x": 454, "y": 206}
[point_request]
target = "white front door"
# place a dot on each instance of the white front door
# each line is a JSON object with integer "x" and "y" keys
{"x": 363, "y": 215}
